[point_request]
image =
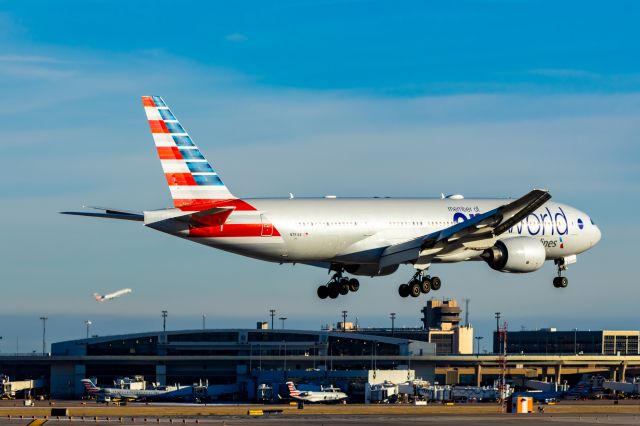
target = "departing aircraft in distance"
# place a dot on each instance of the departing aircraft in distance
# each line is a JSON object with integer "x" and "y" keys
{"x": 326, "y": 395}
{"x": 104, "y": 297}
{"x": 358, "y": 236}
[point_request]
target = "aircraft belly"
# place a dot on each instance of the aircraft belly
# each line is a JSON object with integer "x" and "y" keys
{"x": 271, "y": 249}
{"x": 312, "y": 248}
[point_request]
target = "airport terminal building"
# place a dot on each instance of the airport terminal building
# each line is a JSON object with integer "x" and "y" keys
{"x": 553, "y": 341}
{"x": 349, "y": 357}
{"x": 228, "y": 356}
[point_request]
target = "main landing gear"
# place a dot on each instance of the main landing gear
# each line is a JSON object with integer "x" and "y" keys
{"x": 560, "y": 281}
{"x": 338, "y": 285}
{"x": 419, "y": 284}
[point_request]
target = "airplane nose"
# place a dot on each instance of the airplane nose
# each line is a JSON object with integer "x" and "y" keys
{"x": 597, "y": 235}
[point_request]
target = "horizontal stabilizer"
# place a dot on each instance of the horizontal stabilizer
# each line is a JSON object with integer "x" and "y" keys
{"x": 211, "y": 217}
{"x": 109, "y": 213}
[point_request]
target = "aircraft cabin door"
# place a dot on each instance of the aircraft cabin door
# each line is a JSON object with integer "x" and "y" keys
{"x": 267, "y": 227}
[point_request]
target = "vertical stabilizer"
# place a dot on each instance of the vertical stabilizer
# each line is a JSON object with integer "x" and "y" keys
{"x": 191, "y": 179}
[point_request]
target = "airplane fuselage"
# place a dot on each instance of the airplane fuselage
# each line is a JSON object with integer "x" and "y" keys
{"x": 356, "y": 231}
{"x": 367, "y": 237}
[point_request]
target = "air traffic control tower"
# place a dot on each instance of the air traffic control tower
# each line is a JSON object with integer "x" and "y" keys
{"x": 441, "y": 319}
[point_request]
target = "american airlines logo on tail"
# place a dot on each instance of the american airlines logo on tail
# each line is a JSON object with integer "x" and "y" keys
{"x": 292, "y": 389}
{"x": 89, "y": 386}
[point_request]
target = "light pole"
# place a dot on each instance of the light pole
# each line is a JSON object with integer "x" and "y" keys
{"x": 88, "y": 324}
{"x": 272, "y": 312}
{"x": 575, "y": 340}
{"x": 44, "y": 334}
{"x": 344, "y": 321}
{"x": 164, "y": 320}
{"x": 393, "y": 321}
{"x": 478, "y": 338}
{"x": 498, "y": 331}
{"x": 204, "y": 321}
{"x": 282, "y": 319}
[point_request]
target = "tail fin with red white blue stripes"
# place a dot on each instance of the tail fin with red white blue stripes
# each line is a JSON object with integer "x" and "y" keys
{"x": 292, "y": 389}
{"x": 89, "y": 386}
{"x": 191, "y": 179}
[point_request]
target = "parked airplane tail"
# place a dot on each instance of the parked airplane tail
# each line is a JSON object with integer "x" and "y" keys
{"x": 89, "y": 386}
{"x": 292, "y": 389}
{"x": 190, "y": 177}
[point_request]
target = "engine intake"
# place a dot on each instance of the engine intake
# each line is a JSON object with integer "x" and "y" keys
{"x": 518, "y": 254}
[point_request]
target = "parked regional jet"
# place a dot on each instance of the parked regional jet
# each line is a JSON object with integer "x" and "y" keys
{"x": 325, "y": 396}
{"x": 109, "y": 296}
{"x": 129, "y": 394}
{"x": 362, "y": 237}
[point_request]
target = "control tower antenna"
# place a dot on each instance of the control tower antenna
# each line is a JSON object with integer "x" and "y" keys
{"x": 466, "y": 311}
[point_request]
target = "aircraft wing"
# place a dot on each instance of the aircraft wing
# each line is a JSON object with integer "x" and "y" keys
{"x": 479, "y": 232}
{"x": 110, "y": 213}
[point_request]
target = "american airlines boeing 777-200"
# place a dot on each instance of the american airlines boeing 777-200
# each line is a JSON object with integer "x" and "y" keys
{"x": 360, "y": 237}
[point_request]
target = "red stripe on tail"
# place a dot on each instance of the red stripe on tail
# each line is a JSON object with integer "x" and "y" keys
{"x": 169, "y": 153}
{"x": 158, "y": 126}
{"x": 180, "y": 179}
{"x": 147, "y": 101}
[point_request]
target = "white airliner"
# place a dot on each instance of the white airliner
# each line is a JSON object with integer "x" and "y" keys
{"x": 109, "y": 296}
{"x": 325, "y": 396}
{"x": 129, "y": 394}
{"x": 357, "y": 236}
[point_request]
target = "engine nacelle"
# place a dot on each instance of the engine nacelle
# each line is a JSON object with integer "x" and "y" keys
{"x": 370, "y": 270}
{"x": 517, "y": 254}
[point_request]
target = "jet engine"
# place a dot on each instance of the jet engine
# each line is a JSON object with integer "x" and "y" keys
{"x": 370, "y": 270}
{"x": 517, "y": 254}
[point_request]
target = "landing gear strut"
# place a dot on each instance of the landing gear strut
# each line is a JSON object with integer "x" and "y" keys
{"x": 338, "y": 285}
{"x": 419, "y": 284}
{"x": 560, "y": 281}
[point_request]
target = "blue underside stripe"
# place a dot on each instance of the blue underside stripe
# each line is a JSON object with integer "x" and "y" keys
{"x": 191, "y": 154}
{"x": 183, "y": 140}
{"x": 208, "y": 180}
{"x": 174, "y": 127}
{"x": 158, "y": 101}
{"x": 200, "y": 167}
{"x": 166, "y": 114}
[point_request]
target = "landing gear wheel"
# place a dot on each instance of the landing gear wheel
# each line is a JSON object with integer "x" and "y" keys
{"x": 425, "y": 285}
{"x": 323, "y": 292}
{"x": 436, "y": 283}
{"x": 415, "y": 288}
{"x": 354, "y": 285}
{"x": 344, "y": 287}
{"x": 560, "y": 282}
{"x": 403, "y": 290}
{"x": 334, "y": 290}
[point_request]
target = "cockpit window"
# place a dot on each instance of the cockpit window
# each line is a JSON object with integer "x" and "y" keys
{"x": 592, "y": 222}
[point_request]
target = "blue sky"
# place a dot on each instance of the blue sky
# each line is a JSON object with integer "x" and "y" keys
{"x": 354, "y": 98}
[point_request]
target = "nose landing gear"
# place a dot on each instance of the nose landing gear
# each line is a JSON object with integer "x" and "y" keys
{"x": 419, "y": 284}
{"x": 338, "y": 285}
{"x": 560, "y": 281}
